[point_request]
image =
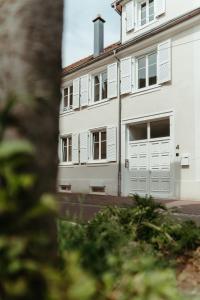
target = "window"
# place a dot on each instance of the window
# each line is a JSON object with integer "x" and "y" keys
{"x": 99, "y": 145}
{"x": 100, "y": 87}
{"x": 147, "y": 70}
{"x": 160, "y": 128}
{"x": 98, "y": 189}
{"x": 65, "y": 188}
{"x": 138, "y": 132}
{"x": 67, "y": 149}
{"x": 146, "y": 12}
{"x": 150, "y": 130}
{"x": 68, "y": 98}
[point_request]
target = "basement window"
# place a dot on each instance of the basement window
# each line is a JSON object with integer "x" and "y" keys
{"x": 98, "y": 189}
{"x": 65, "y": 188}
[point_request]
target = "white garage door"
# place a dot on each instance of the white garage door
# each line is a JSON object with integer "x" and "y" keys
{"x": 150, "y": 159}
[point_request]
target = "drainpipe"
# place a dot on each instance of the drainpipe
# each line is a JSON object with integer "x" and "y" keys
{"x": 119, "y": 126}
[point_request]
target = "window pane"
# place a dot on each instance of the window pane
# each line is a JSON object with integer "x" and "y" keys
{"x": 142, "y": 72}
{"x": 103, "y": 150}
{"x": 143, "y": 13}
{"x": 64, "y": 149}
{"x": 160, "y": 128}
{"x": 96, "y": 136}
{"x": 138, "y": 132}
{"x": 66, "y": 98}
{"x": 97, "y": 88}
{"x": 103, "y": 145}
{"x": 96, "y": 151}
{"x": 152, "y": 61}
{"x": 151, "y": 10}
{"x": 104, "y": 85}
{"x": 70, "y": 153}
{"x": 96, "y": 145}
{"x": 71, "y": 95}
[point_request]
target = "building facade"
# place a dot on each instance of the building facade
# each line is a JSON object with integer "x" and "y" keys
{"x": 130, "y": 113}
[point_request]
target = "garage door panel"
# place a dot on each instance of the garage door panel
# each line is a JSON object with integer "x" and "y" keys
{"x": 150, "y": 167}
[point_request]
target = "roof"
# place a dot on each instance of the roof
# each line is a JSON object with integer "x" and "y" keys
{"x": 108, "y": 51}
{"x": 90, "y": 59}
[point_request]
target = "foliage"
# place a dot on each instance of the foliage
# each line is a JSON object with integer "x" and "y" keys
{"x": 127, "y": 249}
{"x": 116, "y": 256}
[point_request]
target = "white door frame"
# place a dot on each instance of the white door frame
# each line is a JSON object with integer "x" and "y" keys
{"x": 125, "y": 136}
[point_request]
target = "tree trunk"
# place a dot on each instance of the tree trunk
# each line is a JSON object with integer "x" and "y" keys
{"x": 30, "y": 73}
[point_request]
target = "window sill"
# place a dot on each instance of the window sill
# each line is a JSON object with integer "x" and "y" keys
{"x": 97, "y": 162}
{"x": 66, "y": 112}
{"x": 139, "y": 27}
{"x": 146, "y": 90}
{"x": 66, "y": 164}
{"x": 98, "y": 103}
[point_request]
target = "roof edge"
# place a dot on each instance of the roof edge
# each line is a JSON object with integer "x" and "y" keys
{"x": 167, "y": 25}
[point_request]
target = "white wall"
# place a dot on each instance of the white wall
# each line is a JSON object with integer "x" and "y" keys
{"x": 174, "y": 8}
{"x": 179, "y": 97}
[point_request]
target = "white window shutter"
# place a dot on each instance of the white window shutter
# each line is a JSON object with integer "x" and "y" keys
{"x": 76, "y": 93}
{"x": 62, "y": 100}
{"x": 160, "y": 7}
{"x": 111, "y": 143}
{"x": 75, "y": 148}
{"x": 130, "y": 16}
{"x": 112, "y": 80}
{"x": 133, "y": 67}
{"x": 83, "y": 147}
{"x": 84, "y": 94}
{"x": 126, "y": 75}
{"x": 164, "y": 62}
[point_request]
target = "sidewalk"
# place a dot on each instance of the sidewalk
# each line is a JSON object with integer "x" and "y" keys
{"x": 86, "y": 206}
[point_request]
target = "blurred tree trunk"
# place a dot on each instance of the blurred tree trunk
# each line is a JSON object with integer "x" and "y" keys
{"x": 30, "y": 71}
{"x": 30, "y": 68}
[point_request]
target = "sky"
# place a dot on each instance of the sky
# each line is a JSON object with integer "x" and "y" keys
{"x": 78, "y": 27}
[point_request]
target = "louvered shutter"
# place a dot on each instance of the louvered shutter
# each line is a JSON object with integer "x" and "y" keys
{"x": 164, "y": 61}
{"x": 130, "y": 16}
{"x": 75, "y": 148}
{"x": 76, "y": 93}
{"x": 133, "y": 67}
{"x": 111, "y": 143}
{"x": 62, "y": 100}
{"x": 112, "y": 80}
{"x": 84, "y": 87}
{"x": 126, "y": 75}
{"x": 160, "y": 7}
{"x": 83, "y": 147}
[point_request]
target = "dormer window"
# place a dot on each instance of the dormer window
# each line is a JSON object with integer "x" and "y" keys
{"x": 146, "y": 12}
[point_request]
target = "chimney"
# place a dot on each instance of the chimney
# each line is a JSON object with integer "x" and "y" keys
{"x": 98, "y": 35}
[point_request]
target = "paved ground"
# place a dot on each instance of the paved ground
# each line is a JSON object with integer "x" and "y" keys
{"x": 84, "y": 207}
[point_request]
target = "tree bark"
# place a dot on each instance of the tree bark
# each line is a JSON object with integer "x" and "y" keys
{"x": 30, "y": 69}
{"x": 30, "y": 72}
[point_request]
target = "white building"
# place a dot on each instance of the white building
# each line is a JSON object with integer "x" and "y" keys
{"x": 130, "y": 114}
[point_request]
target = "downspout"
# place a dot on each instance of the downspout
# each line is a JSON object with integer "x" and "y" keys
{"x": 119, "y": 127}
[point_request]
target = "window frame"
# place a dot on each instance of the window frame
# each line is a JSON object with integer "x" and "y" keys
{"x": 69, "y": 107}
{"x": 148, "y": 128}
{"x": 99, "y": 131}
{"x": 67, "y": 161}
{"x": 100, "y": 87}
{"x": 146, "y": 56}
{"x": 139, "y": 13}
